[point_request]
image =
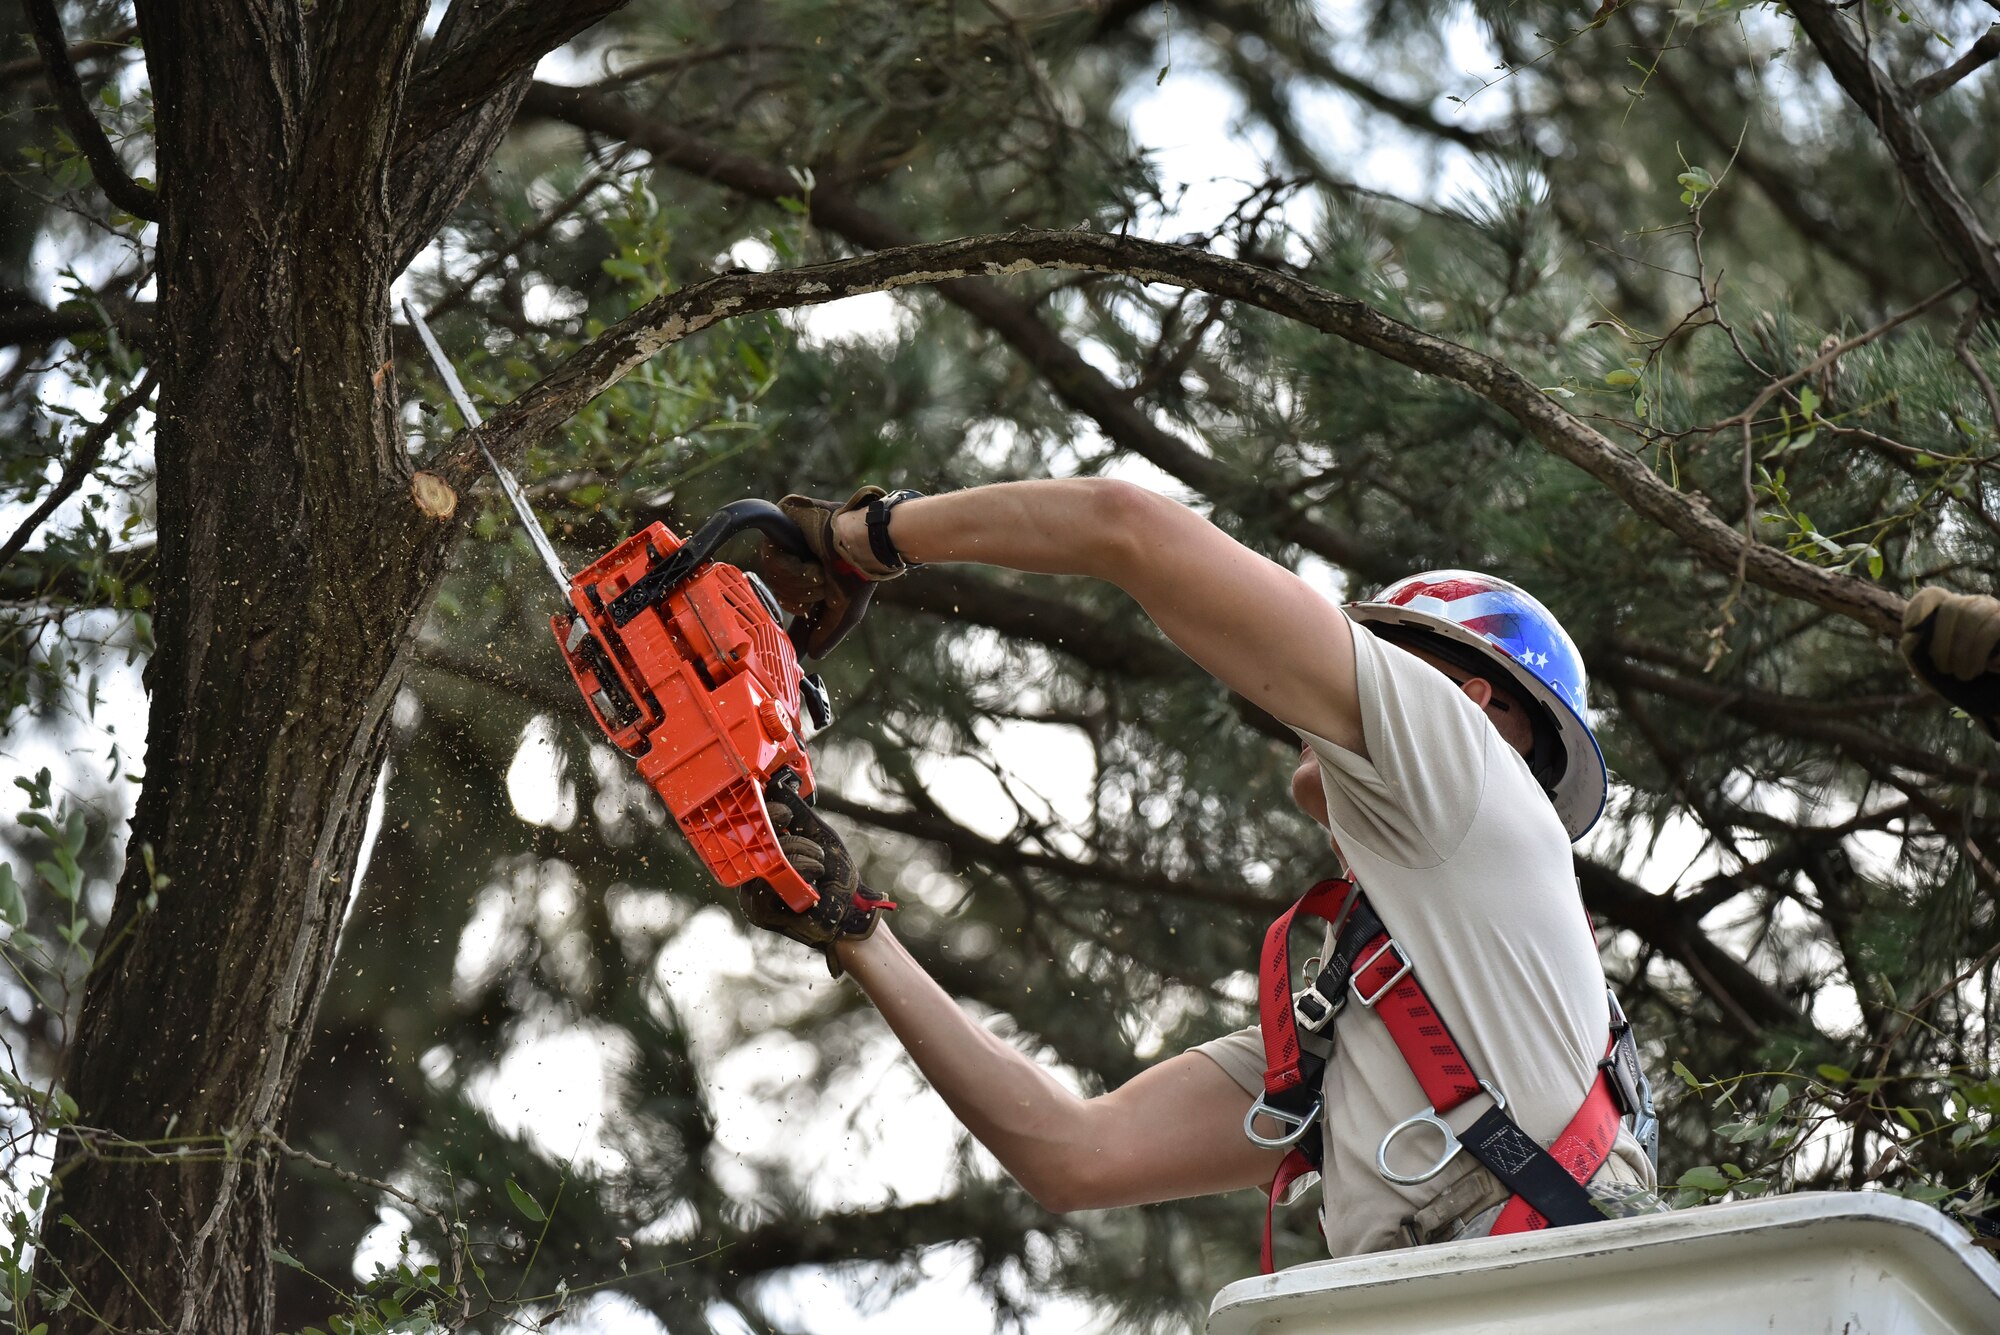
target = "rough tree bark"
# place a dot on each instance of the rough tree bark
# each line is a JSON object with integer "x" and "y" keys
{"x": 292, "y": 566}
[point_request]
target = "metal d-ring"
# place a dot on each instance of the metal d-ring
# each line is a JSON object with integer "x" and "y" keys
{"x": 1295, "y": 1124}
{"x": 1428, "y": 1117}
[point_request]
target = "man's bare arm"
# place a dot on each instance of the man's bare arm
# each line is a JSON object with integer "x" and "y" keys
{"x": 1174, "y": 1130}
{"x": 1255, "y": 626}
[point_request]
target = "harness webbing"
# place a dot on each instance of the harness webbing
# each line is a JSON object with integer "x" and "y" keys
{"x": 1368, "y": 966}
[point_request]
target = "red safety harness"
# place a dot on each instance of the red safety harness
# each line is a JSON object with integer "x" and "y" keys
{"x": 1368, "y": 966}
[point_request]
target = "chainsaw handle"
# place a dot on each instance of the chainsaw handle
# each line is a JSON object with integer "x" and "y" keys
{"x": 723, "y": 525}
{"x": 733, "y": 519}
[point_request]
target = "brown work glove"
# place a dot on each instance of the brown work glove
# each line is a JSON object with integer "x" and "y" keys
{"x": 1949, "y": 641}
{"x": 830, "y": 588}
{"x": 847, "y": 910}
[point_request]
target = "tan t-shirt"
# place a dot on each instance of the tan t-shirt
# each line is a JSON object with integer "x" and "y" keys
{"x": 1466, "y": 863}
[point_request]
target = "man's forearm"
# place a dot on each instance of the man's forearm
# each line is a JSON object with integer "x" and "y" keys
{"x": 1052, "y": 526}
{"x": 1173, "y": 1130}
{"x": 1017, "y": 1110}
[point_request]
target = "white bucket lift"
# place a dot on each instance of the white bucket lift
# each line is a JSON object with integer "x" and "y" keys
{"x": 1819, "y": 1263}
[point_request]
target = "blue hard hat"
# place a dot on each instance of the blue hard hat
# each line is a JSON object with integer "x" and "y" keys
{"x": 1503, "y": 625}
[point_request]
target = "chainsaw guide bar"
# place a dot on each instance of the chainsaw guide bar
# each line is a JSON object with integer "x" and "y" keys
{"x": 682, "y": 661}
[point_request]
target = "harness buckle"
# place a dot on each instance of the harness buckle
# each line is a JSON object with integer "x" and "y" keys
{"x": 1631, "y": 1091}
{"x": 1363, "y": 966}
{"x": 1428, "y": 1117}
{"x": 1313, "y": 1010}
{"x": 1296, "y": 1124}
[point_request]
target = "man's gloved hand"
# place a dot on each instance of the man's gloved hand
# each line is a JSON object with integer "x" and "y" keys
{"x": 846, "y": 909}
{"x": 1949, "y": 641}
{"x": 831, "y": 588}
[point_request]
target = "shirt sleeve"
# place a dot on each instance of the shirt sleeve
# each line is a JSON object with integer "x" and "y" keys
{"x": 1240, "y": 1055}
{"x": 1414, "y": 796}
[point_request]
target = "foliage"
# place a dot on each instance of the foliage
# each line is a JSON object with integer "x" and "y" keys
{"x": 1672, "y": 219}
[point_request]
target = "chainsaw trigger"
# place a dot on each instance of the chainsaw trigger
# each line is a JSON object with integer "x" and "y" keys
{"x": 818, "y": 701}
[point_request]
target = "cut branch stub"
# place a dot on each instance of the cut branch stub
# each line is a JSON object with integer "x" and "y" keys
{"x": 608, "y": 358}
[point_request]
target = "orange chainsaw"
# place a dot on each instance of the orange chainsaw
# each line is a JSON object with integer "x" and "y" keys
{"x": 681, "y": 660}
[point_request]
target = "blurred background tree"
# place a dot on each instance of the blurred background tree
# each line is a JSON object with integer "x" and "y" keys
{"x": 1698, "y": 229}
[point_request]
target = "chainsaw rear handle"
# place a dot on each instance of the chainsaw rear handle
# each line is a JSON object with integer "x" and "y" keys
{"x": 723, "y": 525}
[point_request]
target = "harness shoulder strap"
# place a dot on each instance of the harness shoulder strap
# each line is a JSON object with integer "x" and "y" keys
{"x": 1369, "y": 966}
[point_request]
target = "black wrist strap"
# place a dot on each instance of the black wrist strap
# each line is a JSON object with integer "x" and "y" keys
{"x": 879, "y": 541}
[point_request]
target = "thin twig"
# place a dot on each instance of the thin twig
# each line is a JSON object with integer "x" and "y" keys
{"x": 1835, "y": 353}
{"x": 528, "y": 235}
{"x": 1962, "y": 348}
{"x": 81, "y": 463}
{"x": 1983, "y": 52}
{"x": 451, "y": 1239}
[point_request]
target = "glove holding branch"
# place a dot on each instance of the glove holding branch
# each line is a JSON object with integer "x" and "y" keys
{"x": 846, "y": 911}
{"x": 1949, "y": 640}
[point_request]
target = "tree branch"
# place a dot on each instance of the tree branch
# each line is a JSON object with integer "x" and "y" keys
{"x": 1783, "y": 714}
{"x": 87, "y": 48}
{"x": 1958, "y": 230}
{"x": 1260, "y": 20}
{"x": 967, "y": 846}
{"x": 1982, "y": 52}
{"x": 463, "y": 97}
{"x": 1753, "y": 1004}
{"x": 112, "y": 178}
{"x": 89, "y": 449}
{"x": 1027, "y": 615}
{"x": 470, "y": 62}
{"x": 1787, "y": 198}
{"x": 607, "y": 359}
{"x": 1073, "y": 381}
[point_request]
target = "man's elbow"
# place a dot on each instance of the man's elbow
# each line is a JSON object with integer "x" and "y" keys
{"x": 1125, "y": 523}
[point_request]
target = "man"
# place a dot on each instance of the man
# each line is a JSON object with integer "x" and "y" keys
{"x": 1451, "y": 771}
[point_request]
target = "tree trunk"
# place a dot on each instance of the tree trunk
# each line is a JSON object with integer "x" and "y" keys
{"x": 292, "y": 567}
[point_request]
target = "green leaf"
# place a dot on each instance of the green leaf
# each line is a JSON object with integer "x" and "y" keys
{"x": 1687, "y": 1077}
{"x": 1620, "y": 377}
{"x": 1834, "y": 1075}
{"x": 1705, "y": 1179}
{"x": 13, "y": 908}
{"x": 752, "y": 361}
{"x": 60, "y": 879}
{"x": 1780, "y": 1096}
{"x": 524, "y": 1202}
{"x": 285, "y": 1258}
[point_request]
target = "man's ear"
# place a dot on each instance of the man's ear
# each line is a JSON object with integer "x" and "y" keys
{"x": 1479, "y": 689}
